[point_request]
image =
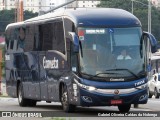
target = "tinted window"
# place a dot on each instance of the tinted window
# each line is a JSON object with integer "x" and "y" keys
{"x": 29, "y": 37}
{"x": 52, "y": 36}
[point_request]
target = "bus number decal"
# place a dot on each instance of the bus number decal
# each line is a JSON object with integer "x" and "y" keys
{"x": 139, "y": 83}
{"x": 50, "y": 64}
{"x": 95, "y": 31}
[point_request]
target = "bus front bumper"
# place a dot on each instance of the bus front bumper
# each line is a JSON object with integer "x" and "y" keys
{"x": 94, "y": 98}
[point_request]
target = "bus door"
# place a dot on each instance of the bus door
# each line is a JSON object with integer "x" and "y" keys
{"x": 52, "y": 67}
{"x": 48, "y": 64}
{"x": 54, "y": 64}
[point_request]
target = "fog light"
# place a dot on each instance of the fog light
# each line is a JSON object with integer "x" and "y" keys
{"x": 143, "y": 97}
{"x": 87, "y": 99}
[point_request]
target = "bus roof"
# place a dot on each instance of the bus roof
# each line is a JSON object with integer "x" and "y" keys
{"x": 104, "y": 17}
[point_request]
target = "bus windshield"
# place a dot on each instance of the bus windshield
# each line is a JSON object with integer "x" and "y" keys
{"x": 111, "y": 52}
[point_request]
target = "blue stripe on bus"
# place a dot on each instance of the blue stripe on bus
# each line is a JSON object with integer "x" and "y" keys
{"x": 113, "y": 85}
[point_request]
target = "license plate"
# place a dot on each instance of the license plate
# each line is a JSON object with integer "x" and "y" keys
{"x": 116, "y": 102}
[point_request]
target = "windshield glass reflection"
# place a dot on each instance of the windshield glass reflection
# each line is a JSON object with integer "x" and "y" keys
{"x": 114, "y": 49}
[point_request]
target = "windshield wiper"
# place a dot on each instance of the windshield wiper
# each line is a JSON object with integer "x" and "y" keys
{"x": 142, "y": 73}
{"x": 125, "y": 70}
{"x": 97, "y": 75}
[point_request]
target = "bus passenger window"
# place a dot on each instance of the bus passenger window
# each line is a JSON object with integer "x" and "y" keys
{"x": 52, "y": 36}
{"x": 21, "y": 38}
{"x": 60, "y": 37}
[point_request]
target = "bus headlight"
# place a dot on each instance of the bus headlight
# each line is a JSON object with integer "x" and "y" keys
{"x": 90, "y": 88}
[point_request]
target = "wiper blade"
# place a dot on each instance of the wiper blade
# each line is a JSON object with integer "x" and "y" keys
{"x": 142, "y": 73}
{"x": 125, "y": 70}
{"x": 105, "y": 73}
{"x": 97, "y": 75}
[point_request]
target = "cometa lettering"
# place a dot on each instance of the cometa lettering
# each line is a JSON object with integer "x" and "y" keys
{"x": 50, "y": 64}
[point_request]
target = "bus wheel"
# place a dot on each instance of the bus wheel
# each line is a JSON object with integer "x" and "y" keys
{"x": 21, "y": 100}
{"x": 156, "y": 93}
{"x": 32, "y": 103}
{"x": 124, "y": 108}
{"x": 64, "y": 100}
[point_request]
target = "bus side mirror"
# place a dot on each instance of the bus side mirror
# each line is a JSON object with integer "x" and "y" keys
{"x": 152, "y": 40}
{"x": 75, "y": 41}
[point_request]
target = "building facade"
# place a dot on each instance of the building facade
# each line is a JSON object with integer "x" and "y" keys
{"x": 31, "y": 5}
{"x": 156, "y": 3}
{"x": 83, "y": 3}
{"x": 45, "y": 5}
{"x": 7, "y": 4}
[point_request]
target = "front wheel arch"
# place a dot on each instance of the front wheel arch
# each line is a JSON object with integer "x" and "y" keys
{"x": 67, "y": 107}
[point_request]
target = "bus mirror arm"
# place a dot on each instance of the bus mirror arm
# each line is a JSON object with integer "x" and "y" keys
{"x": 75, "y": 41}
{"x": 152, "y": 40}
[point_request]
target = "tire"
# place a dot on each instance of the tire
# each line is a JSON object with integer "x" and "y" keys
{"x": 149, "y": 94}
{"x": 67, "y": 107}
{"x": 32, "y": 103}
{"x": 21, "y": 100}
{"x": 135, "y": 105}
{"x": 156, "y": 93}
{"x": 124, "y": 108}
